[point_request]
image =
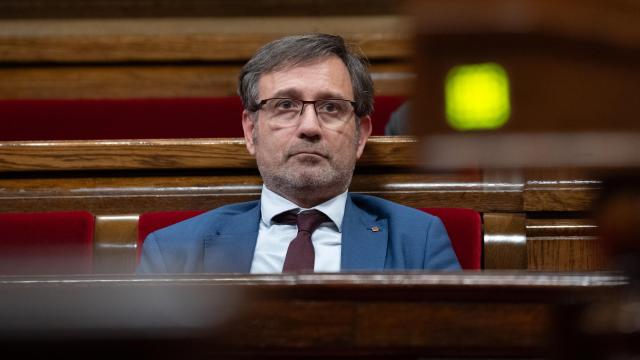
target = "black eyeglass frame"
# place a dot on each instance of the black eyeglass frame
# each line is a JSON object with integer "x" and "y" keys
{"x": 304, "y": 102}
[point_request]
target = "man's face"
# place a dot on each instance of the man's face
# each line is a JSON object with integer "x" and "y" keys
{"x": 306, "y": 162}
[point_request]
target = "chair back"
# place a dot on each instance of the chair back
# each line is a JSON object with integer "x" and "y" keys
{"x": 464, "y": 227}
{"x": 64, "y": 119}
{"x": 46, "y": 243}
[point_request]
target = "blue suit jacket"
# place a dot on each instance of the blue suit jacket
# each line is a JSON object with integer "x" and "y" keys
{"x": 224, "y": 239}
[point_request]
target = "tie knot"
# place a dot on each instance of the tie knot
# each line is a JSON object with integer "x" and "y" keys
{"x": 307, "y": 220}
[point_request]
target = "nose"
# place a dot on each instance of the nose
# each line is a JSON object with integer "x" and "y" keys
{"x": 309, "y": 125}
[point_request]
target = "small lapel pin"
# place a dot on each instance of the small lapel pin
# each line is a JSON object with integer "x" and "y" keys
{"x": 375, "y": 229}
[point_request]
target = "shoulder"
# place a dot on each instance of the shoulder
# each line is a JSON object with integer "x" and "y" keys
{"x": 383, "y": 208}
{"x": 205, "y": 223}
{"x": 417, "y": 240}
{"x": 179, "y": 248}
{"x": 231, "y": 209}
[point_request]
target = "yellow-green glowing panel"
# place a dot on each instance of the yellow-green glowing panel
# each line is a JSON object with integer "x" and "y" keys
{"x": 477, "y": 97}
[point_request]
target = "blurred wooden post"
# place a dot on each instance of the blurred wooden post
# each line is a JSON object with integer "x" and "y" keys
{"x": 572, "y": 70}
{"x": 567, "y": 78}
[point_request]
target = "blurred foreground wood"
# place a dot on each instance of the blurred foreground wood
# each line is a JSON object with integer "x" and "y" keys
{"x": 402, "y": 315}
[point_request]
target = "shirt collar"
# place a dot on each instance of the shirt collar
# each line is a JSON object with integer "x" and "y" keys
{"x": 272, "y": 204}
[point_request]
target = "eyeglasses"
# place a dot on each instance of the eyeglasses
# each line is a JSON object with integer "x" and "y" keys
{"x": 332, "y": 113}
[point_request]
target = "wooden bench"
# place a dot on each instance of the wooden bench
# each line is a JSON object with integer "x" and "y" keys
{"x": 534, "y": 220}
{"x": 194, "y": 49}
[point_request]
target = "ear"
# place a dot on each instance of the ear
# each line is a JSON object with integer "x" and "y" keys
{"x": 248, "y": 127}
{"x": 365, "y": 132}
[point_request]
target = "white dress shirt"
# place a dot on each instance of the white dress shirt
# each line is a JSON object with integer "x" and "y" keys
{"x": 273, "y": 239}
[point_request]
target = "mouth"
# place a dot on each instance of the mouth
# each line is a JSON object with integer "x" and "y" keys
{"x": 308, "y": 153}
{"x": 308, "y": 156}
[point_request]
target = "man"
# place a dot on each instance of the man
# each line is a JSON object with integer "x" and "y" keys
{"x": 307, "y": 102}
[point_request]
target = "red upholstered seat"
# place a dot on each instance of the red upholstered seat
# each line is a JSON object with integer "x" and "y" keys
{"x": 46, "y": 243}
{"x": 138, "y": 118}
{"x": 463, "y": 225}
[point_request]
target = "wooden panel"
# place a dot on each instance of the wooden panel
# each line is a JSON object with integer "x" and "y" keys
{"x": 95, "y": 82}
{"x": 172, "y": 154}
{"x": 115, "y": 195}
{"x": 505, "y": 242}
{"x": 135, "y": 193}
{"x": 318, "y": 315}
{"x": 563, "y": 254}
{"x": 613, "y": 21}
{"x": 431, "y": 332}
{"x": 100, "y": 186}
{"x": 384, "y": 170}
{"x": 186, "y": 8}
{"x": 124, "y": 154}
{"x": 561, "y": 227}
{"x": 115, "y": 242}
{"x": 187, "y": 39}
{"x": 154, "y": 81}
{"x": 561, "y": 195}
{"x": 439, "y": 190}
{"x": 432, "y": 326}
{"x": 564, "y": 245}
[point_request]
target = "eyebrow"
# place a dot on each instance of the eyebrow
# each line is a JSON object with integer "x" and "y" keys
{"x": 294, "y": 93}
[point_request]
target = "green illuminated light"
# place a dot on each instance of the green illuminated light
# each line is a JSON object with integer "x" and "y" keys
{"x": 477, "y": 97}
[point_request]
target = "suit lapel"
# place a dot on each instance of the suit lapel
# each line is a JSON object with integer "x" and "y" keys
{"x": 364, "y": 239}
{"x": 231, "y": 248}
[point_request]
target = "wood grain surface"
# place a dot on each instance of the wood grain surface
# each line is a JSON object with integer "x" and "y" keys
{"x": 566, "y": 254}
{"x": 114, "y": 244}
{"x": 408, "y": 315}
{"x": 564, "y": 245}
{"x": 122, "y": 193}
{"x": 505, "y": 241}
{"x": 175, "y": 57}
{"x": 125, "y": 81}
{"x": 98, "y": 81}
{"x": 613, "y": 22}
{"x": 576, "y": 194}
{"x": 34, "y": 9}
{"x": 171, "y": 154}
{"x": 187, "y": 39}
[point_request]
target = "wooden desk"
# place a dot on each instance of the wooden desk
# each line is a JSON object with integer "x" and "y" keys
{"x": 407, "y": 315}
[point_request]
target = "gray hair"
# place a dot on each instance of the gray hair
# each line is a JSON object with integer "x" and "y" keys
{"x": 299, "y": 49}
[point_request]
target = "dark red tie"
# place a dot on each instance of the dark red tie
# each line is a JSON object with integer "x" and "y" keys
{"x": 300, "y": 254}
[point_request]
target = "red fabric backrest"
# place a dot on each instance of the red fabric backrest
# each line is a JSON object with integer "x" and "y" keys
{"x": 464, "y": 227}
{"x": 138, "y": 118}
{"x": 46, "y": 243}
{"x": 120, "y": 119}
{"x": 384, "y": 106}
